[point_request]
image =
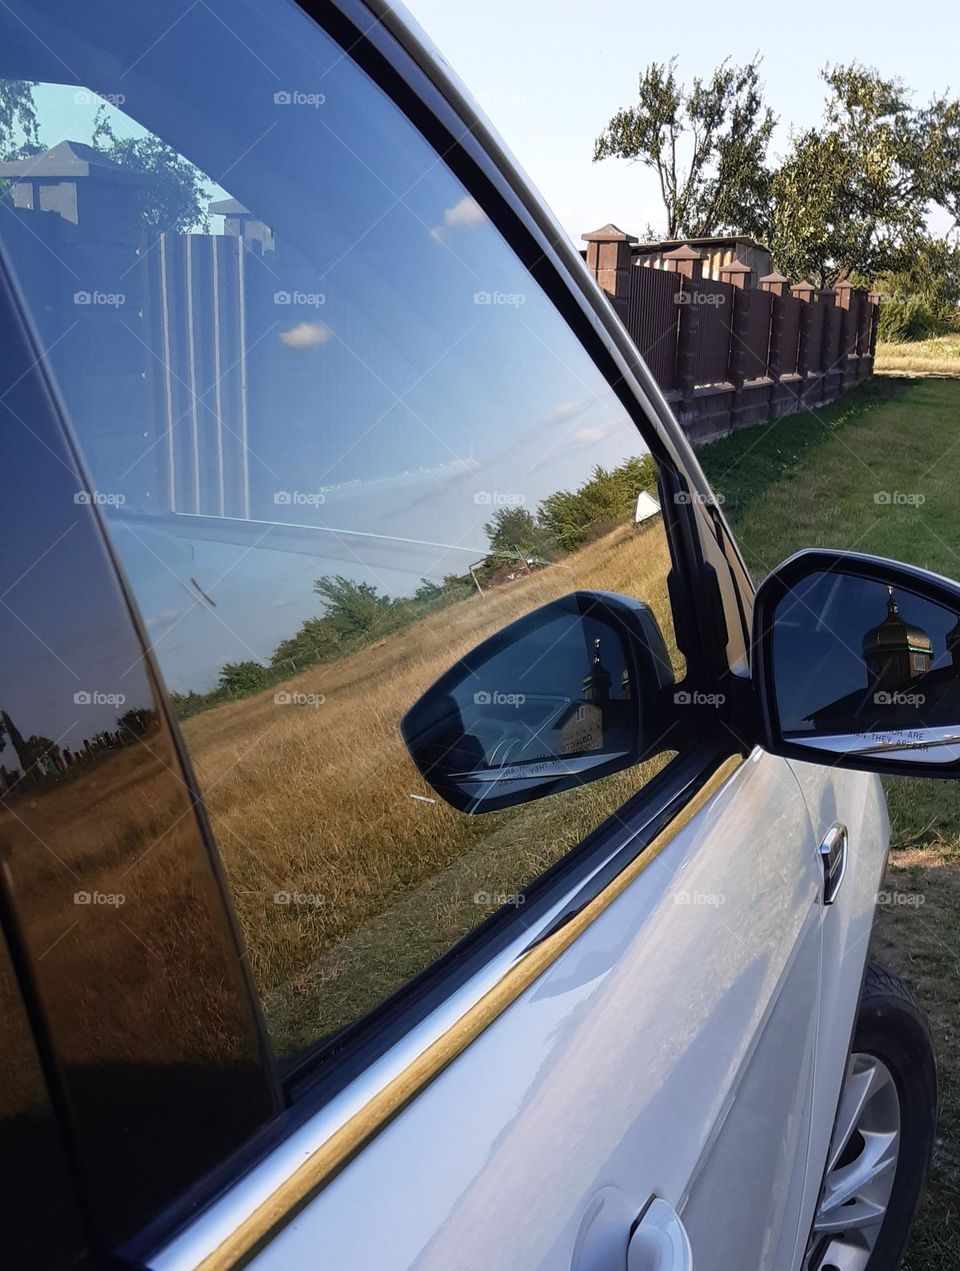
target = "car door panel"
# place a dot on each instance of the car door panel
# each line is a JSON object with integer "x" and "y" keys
{"x": 617, "y": 1069}
{"x": 775, "y": 1090}
{"x": 856, "y": 800}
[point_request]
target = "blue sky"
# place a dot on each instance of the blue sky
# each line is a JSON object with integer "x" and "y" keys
{"x": 550, "y": 73}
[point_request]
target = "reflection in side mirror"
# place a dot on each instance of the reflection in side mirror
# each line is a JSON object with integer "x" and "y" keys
{"x": 858, "y": 661}
{"x": 568, "y": 694}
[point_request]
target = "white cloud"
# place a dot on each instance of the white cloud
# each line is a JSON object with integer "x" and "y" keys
{"x": 164, "y": 618}
{"x": 568, "y": 410}
{"x": 596, "y": 433}
{"x": 462, "y": 215}
{"x": 305, "y": 335}
{"x": 467, "y": 212}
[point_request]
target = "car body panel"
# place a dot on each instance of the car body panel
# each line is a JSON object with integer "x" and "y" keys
{"x": 576, "y": 1087}
{"x": 856, "y": 800}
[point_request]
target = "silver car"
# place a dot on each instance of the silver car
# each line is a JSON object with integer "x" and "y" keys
{"x": 422, "y": 844}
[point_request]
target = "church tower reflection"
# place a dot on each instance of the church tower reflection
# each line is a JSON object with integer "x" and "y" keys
{"x": 894, "y": 652}
{"x": 904, "y": 687}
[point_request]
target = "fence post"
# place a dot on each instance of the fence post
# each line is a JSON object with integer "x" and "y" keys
{"x": 873, "y": 300}
{"x": 832, "y": 358}
{"x": 864, "y": 320}
{"x": 737, "y": 275}
{"x": 609, "y": 259}
{"x": 778, "y": 286}
{"x": 687, "y": 262}
{"x": 808, "y": 356}
{"x": 846, "y": 295}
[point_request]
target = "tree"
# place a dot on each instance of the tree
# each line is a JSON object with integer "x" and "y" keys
{"x": 175, "y": 198}
{"x": 572, "y": 518}
{"x": 18, "y": 115}
{"x": 240, "y": 678}
{"x": 921, "y": 298}
{"x": 40, "y": 749}
{"x": 17, "y": 741}
{"x": 138, "y": 721}
{"x": 428, "y": 593}
{"x": 355, "y": 610}
{"x": 316, "y": 639}
{"x": 707, "y": 145}
{"x": 513, "y": 532}
{"x": 186, "y": 704}
{"x": 853, "y": 195}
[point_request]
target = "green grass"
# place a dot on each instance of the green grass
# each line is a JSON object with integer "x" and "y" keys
{"x": 813, "y": 480}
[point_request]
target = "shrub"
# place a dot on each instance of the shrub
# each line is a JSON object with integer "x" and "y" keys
{"x": 239, "y": 678}
{"x": 911, "y": 319}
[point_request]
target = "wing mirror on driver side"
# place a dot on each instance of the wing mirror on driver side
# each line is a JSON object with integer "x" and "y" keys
{"x": 856, "y": 663}
{"x": 567, "y": 694}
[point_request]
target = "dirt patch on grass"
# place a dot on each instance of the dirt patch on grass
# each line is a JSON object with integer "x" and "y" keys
{"x": 915, "y": 936}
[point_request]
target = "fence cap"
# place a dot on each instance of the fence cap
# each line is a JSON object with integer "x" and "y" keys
{"x": 609, "y": 233}
{"x": 805, "y": 286}
{"x": 72, "y": 160}
{"x": 775, "y": 277}
{"x": 844, "y": 285}
{"x": 686, "y": 252}
{"x": 736, "y": 274}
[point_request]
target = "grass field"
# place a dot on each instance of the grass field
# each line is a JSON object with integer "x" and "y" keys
{"x": 937, "y": 356}
{"x": 120, "y": 828}
{"x": 813, "y": 480}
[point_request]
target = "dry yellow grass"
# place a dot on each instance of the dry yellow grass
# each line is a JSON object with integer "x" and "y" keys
{"x": 937, "y": 356}
{"x": 122, "y": 828}
{"x": 315, "y": 801}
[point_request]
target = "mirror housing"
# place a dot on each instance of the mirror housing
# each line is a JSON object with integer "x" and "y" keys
{"x": 856, "y": 663}
{"x": 570, "y": 693}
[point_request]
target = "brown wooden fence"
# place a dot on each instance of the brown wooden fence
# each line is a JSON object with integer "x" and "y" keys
{"x": 728, "y": 353}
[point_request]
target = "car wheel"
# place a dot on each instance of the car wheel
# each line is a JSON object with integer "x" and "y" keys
{"x": 883, "y": 1136}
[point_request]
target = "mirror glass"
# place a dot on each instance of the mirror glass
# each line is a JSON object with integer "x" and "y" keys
{"x": 860, "y": 667}
{"x": 549, "y": 702}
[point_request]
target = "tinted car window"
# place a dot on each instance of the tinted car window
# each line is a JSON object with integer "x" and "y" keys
{"x": 340, "y": 435}
{"x": 117, "y": 917}
{"x": 30, "y": 1148}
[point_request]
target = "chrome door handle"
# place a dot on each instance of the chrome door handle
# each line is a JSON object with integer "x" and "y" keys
{"x": 659, "y": 1241}
{"x": 833, "y": 853}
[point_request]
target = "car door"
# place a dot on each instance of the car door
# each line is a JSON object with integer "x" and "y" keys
{"x": 667, "y": 1052}
{"x": 343, "y": 410}
{"x": 855, "y": 802}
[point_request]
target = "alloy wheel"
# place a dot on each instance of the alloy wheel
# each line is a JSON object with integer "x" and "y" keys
{"x": 861, "y": 1168}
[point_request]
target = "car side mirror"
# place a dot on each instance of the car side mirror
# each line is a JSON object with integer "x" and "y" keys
{"x": 566, "y": 695}
{"x": 856, "y": 663}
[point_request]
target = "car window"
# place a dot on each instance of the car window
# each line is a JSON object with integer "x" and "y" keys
{"x": 30, "y": 1148}
{"x": 339, "y": 435}
{"x": 113, "y": 905}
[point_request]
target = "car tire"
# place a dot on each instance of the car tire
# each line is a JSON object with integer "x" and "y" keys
{"x": 892, "y": 1037}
